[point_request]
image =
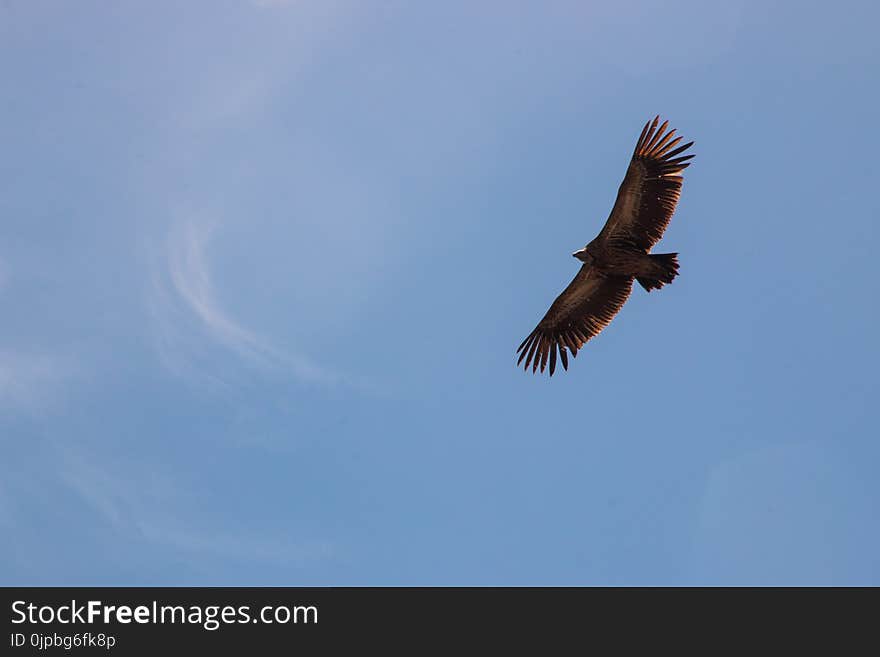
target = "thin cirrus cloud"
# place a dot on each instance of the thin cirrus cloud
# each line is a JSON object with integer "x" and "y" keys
{"x": 187, "y": 311}
{"x": 136, "y": 508}
{"x": 263, "y": 548}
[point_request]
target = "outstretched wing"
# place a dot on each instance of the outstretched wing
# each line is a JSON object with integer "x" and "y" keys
{"x": 649, "y": 192}
{"x": 584, "y": 308}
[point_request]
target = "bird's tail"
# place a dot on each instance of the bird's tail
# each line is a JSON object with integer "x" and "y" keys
{"x": 661, "y": 269}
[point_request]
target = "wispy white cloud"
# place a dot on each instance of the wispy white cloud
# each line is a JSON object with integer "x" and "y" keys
{"x": 95, "y": 487}
{"x": 186, "y": 309}
{"x": 234, "y": 546}
{"x": 140, "y": 507}
{"x": 191, "y": 280}
{"x": 221, "y": 91}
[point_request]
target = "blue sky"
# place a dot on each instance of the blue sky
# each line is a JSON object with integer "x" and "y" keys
{"x": 264, "y": 266}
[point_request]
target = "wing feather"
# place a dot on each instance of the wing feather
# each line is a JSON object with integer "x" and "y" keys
{"x": 579, "y": 313}
{"x": 534, "y": 346}
{"x": 563, "y": 356}
{"x": 650, "y": 190}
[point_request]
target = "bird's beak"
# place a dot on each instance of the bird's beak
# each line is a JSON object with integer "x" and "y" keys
{"x": 578, "y": 254}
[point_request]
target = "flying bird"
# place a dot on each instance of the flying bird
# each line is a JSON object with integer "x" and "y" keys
{"x": 619, "y": 254}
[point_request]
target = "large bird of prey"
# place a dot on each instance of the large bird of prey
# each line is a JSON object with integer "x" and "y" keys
{"x": 620, "y": 253}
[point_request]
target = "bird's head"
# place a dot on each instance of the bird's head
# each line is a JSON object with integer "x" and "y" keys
{"x": 583, "y": 255}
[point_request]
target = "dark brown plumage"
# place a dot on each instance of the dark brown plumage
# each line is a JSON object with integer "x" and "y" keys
{"x": 618, "y": 255}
